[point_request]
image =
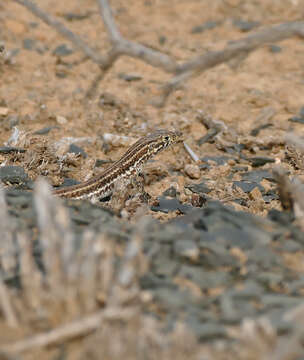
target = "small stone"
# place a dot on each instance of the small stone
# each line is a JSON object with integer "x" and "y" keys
{"x": 44, "y": 131}
{"x": 4, "y": 111}
{"x": 260, "y": 160}
{"x": 13, "y": 174}
{"x": 245, "y": 25}
{"x": 201, "y": 188}
{"x": 187, "y": 249}
{"x": 208, "y": 25}
{"x": 28, "y": 43}
{"x": 193, "y": 171}
{"x": 130, "y": 77}
{"x": 275, "y": 48}
{"x": 246, "y": 186}
{"x": 10, "y": 149}
{"x": 77, "y": 150}
{"x": 170, "y": 192}
{"x": 62, "y": 50}
{"x": 255, "y": 194}
{"x": 61, "y": 120}
{"x": 167, "y": 205}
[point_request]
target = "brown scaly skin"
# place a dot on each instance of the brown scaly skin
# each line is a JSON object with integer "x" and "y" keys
{"x": 125, "y": 168}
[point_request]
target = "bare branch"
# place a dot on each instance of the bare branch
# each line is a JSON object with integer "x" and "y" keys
{"x": 109, "y": 22}
{"x": 133, "y": 49}
{"x": 68, "y": 34}
{"x": 246, "y": 45}
{"x": 183, "y": 72}
{"x": 67, "y": 332}
{"x": 6, "y": 306}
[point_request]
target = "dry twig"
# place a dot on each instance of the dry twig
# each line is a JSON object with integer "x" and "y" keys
{"x": 183, "y": 72}
{"x": 67, "y": 332}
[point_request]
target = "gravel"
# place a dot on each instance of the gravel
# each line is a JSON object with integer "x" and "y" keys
{"x": 211, "y": 267}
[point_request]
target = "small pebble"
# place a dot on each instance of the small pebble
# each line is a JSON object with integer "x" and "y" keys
{"x": 193, "y": 171}
{"x": 255, "y": 194}
{"x": 4, "y": 111}
{"x": 61, "y": 120}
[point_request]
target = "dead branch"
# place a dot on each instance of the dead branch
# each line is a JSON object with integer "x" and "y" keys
{"x": 246, "y": 45}
{"x": 6, "y": 306}
{"x": 130, "y": 48}
{"x": 65, "y": 32}
{"x": 183, "y": 72}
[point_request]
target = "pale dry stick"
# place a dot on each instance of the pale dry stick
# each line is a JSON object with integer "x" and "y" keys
{"x": 195, "y": 66}
{"x": 31, "y": 278}
{"x": 55, "y": 234}
{"x": 122, "y": 46}
{"x": 69, "y": 331}
{"x": 133, "y": 49}
{"x": 64, "y": 31}
{"x": 6, "y": 306}
{"x": 6, "y": 239}
{"x": 191, "y": 152}
{"x": 246, "y": 45}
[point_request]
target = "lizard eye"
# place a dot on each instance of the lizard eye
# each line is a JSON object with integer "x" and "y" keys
{"x": 167, "y": 138}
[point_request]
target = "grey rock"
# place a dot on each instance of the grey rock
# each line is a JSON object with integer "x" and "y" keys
{"x": 247, "y": 186}
{"x": 62, "y": 50}
{"x": 280, "y": 300}
{"x": 257, "y": 175}
{"x": 187, "y": 249}
{"x": 264, "y": 258}
{"x": 208, "y": 25}
{"x": 203, "y": 278}
{"x": 77, "y": 150}
{"x": 207, "y": 331}
{"x": 13, "y": 175}
{"x": 10, "y": 149}
{"x": 201, "y": 188}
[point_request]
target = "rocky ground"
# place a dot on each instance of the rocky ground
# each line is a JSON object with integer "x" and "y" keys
{"x": 219, "y": 247}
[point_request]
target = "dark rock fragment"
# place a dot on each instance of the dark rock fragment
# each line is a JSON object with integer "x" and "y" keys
{"x": 244, "y": 25}
{"x": 208, "y": 25}
{"x": 220, "y": 160}
{"x": 14, "y": 175}
{"x": 170, "y": 192}
{"x": 257, "y": 175}
{"x": 63, "y": 50}
{"x": 77, "y": 150}
{"x": 200, "y": 188}
{"x": 275, "y": 48}
{"x": 10, "y": 149}
{"x": 247, "y": 186}
{"x": 256, "y": 131}
{"x": 297, "y": 119}
{"x": 166, "y": 205}
{"x": 69, "y": 16}
{"x": 29, "y": 43}
{"x": 129, "y": 77}
{"x": 45, "y": 130}
{"x": 260, "y": 160}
